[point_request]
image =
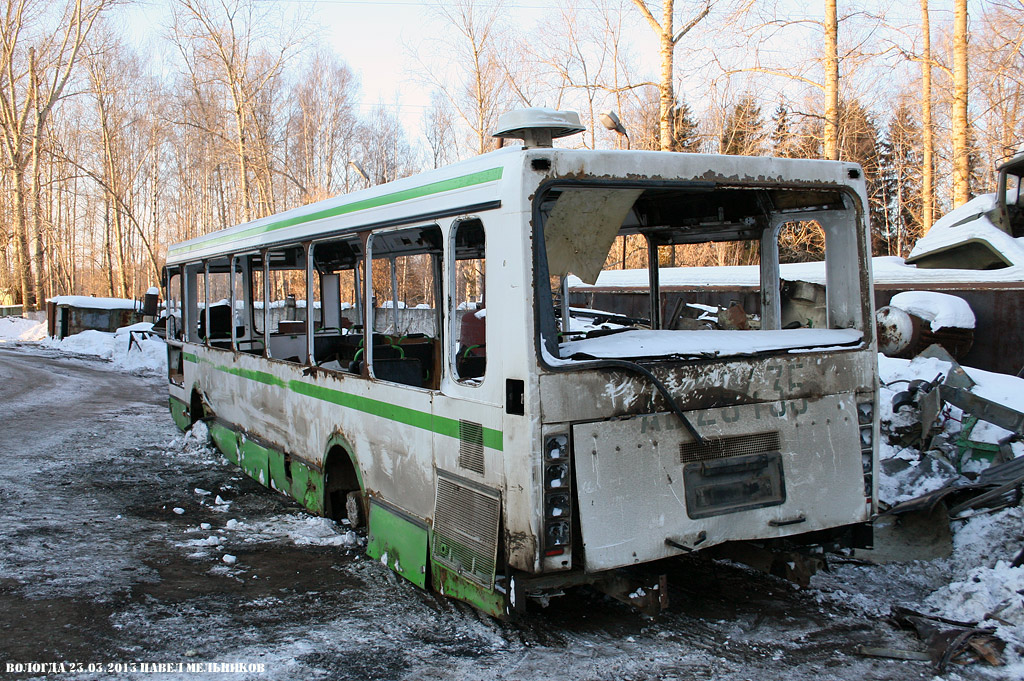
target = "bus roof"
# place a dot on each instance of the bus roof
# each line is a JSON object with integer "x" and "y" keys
{"x": 473, "y": 185}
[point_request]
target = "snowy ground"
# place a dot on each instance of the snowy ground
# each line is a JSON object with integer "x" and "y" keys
{"x": 126, "y": 542}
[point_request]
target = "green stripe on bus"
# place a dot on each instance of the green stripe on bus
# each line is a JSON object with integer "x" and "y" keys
{"x": 190, "y": 357}
{"x": 442, "y": 425}
{"x": 460, "y": 182}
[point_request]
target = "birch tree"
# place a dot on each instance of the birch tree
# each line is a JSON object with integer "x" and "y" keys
{"x": 960, "y": 132}
{"x": 668, "y": 38}
{"x": 927, "y": 129}
{"x": 36, "y": 65}
{"x": 225, "y": 43}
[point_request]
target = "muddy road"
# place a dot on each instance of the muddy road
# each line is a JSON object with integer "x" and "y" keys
{"x": 116, "y": 528}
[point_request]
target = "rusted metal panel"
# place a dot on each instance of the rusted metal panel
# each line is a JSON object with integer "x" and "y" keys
{"x": 779, "y": 383}
{"x": 999, "y": 321}
{"x": 632, "y": 485}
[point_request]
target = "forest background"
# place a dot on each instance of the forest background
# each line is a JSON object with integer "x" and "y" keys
{"x": 112, "y": 147}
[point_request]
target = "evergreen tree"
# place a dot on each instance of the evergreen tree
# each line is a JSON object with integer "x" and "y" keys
{"x": 743, "y": 131}
{"x": 686, "y": 136}
{"x": 783, "y": 140}
{"x": 858, "y": 142}
{"x": 901, "y": 182}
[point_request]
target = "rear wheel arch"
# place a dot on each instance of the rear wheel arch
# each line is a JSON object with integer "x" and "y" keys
{"x": 197, "y": 406}
{"x": 344, "y": 495}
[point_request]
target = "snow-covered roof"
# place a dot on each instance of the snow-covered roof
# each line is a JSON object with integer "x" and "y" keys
{"x": 95, "y": 303}
{"x": 970, "y": 223}
{"x": 886, "y": 271}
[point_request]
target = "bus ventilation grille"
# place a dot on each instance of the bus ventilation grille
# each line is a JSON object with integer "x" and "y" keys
{"x": 466, "y": 529}
{"x": 736, "y": 445}
{"x": 471, "y": 446}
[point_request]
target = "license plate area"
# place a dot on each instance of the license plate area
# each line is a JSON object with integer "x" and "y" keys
{"x": 732, "y": 484}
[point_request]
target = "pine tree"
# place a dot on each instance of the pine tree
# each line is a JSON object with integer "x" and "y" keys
{"x": 901, "y": 182}
{"x": 743, "y": 131}
{"x": 783, "y": 140}
{"x": 685, "y": 134}
{"x": 858, "y": 142}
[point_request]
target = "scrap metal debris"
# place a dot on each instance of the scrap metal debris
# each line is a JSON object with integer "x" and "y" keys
{"x": 949, "y": 641}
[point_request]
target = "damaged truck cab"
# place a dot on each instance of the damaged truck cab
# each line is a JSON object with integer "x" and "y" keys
{"x": 410, "y": 357}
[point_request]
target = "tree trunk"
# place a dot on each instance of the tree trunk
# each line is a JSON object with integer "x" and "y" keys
{"x": 927, "y": 140}
{"x": 668, "y": 48}
{"x": 960, "y": 132}
{"x": 38, "y": 249}
{"x": 24, "y": 258}
{"x": 831, "y": 25}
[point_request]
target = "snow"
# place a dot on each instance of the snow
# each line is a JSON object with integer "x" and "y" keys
{"x": 20, "y": 329}
{"x": 970, "y": 222}
{"x": 940, "y": 309}
{"x": 980, "y": 584}
{"x": 95, "y": 303}
{"x": 885, "y": 271}
{"x": 717, "y": 343}
{"x": 148, "y": 355}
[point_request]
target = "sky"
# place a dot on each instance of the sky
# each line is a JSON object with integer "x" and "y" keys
{"x": 378, "y": 39}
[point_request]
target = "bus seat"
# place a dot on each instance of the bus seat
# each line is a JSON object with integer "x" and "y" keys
{"x": 473, "y": 329}
{"x": 406, "y": 371}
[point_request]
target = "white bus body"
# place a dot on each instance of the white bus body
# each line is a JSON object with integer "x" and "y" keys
{"x": 497, "y": 446}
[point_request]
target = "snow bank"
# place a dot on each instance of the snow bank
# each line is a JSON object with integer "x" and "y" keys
{"x": 20, "y": 329}
{"x": 940, "y": 309}
{"x": 147, "y": 354}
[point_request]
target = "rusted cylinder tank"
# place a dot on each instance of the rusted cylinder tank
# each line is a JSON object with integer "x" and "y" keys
{"x": 903, "y": 334}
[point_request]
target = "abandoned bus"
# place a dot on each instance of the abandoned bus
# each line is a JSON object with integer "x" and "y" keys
{"x": 406, "y": 356}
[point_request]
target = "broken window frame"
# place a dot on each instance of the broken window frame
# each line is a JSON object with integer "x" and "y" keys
{"x": 455, "y": 332}
{"x": 377, "y": 252}
{"x": 846, "y": 307}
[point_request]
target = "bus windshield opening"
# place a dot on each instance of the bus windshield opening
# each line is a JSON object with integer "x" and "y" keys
{"x": 698, "y": 271}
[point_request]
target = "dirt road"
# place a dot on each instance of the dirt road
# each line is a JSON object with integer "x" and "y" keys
{"x": 114, "y": 534}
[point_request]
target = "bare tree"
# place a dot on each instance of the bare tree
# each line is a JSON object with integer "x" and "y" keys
{"x": 668, "y": 37}
{"x": 222, "y": 43}
{"x": 36, "y": 67}
{"x": 927, "y": 138}
{"x": 439, "y": 128}
{"x": 479, "y": 93}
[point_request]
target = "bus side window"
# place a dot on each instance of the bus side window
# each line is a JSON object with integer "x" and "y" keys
{"x": 173, "y": 305}
{"x": 337, "y": 335}
{"x": 286, "y": 310}
{"x": 219, "y": 300}
{"x": 195, "y": 300}
{"x": 405, "y": 342}
{"x": 469, "y": 315}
